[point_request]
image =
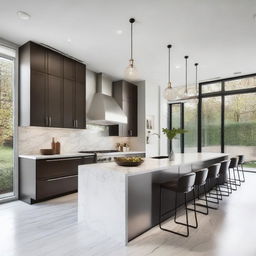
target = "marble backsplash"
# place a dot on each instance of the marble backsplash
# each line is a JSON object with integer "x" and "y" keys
{"x": 31, "y": 139}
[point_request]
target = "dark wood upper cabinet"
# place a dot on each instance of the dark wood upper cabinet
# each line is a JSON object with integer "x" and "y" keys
{"x": 38, "y": 57}
{"x": 38, "y": 99}
{"x": 69, "y": 69}
{"x": 54, "y": 63}
{"x": 55, "y": 101}
{"x": 69, "y": 103}
{"x": 80, "y": 73}
{"x": 80, "y": 107}
{"x": 126, "y": 95}
{"x": 51, "y": 88}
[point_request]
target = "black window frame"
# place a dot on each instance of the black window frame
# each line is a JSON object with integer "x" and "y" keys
{"x": 222, "y": 93}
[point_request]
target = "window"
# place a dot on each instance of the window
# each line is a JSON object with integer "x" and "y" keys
{"x": 239, "y": 84}
{"x": 240, "y": 125}
{"x": 7, "y": 64}
{"x": 211, "y": 124}
{"x": 211, "y": 87}
{"x": 190, "y": 124}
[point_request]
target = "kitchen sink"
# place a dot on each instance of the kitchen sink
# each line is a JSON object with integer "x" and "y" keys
{"x": 159, "y": 157}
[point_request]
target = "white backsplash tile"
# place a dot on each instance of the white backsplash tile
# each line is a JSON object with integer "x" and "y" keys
{"x": 32, "y": 139}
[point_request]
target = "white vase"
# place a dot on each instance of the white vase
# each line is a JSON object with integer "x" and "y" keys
{"x": 171, "y": 156}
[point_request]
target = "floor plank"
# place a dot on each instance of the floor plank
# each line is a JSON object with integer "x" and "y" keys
{"x": 50, "y": 228}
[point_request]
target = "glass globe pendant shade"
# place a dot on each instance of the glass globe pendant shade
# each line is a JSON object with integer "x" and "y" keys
{"x": 131, "y": 72}
{"x": 168, "y": 92}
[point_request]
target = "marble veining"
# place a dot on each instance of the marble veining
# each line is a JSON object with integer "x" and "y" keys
{"x": 31, "y": 139}
{"x": 152, "y": 165}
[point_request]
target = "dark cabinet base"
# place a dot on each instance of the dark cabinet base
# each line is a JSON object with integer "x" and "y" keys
{"x": 41, "y": 180}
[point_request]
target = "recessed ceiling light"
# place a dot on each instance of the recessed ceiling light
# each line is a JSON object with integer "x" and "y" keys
{"x": 69, "y": 40}
{"x": 119, "y": 32}
{"x": 23, "y": 15}
{"x": 177, "y": 66}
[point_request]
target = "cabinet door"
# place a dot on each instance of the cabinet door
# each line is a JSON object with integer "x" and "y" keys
{"x": 54, "y": 63}
{"x": 38, "y": 57}
{"x": 38, "y": 99}
{"x": 55, "y": 101}
{"x": 69, "y": 69}
{"x": 80, "y": 72}
{"x": 80, "y": 105}
{"x": 69, "y": 103}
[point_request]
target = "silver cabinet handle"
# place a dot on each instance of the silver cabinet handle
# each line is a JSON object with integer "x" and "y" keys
{"x": 50, "y": 121}
{"x": 62, "y": 178}
{"x": 74, "y": 123}
{"x": 47, "y": 121}
{"x": 64, "y": 159}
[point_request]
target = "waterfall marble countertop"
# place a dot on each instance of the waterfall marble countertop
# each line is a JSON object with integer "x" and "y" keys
{"x": 152, "y": 165}
{"x": 66, "y": 155}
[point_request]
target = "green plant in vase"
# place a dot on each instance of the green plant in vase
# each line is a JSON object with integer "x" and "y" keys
{"x": 171, "y": 134}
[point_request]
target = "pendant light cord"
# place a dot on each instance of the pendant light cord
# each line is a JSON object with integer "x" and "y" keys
{"x": 196, "y": 65}
{"x": 169, "y": 46}
{"x": 186, "y": 73}
{"x": 132, "y": 20}
{"x": 131, "y": 41}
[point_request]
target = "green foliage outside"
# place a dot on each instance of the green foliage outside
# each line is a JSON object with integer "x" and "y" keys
{"x": 6, "y": 169}
{"x": 6, "y": 126}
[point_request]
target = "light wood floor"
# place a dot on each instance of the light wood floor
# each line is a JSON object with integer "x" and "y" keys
{"x": 51, "y": 229}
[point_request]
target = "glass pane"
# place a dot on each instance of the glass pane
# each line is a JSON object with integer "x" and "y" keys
{"x": 176, "y": 113}
{"x": 6, "y": 127}
{"x": 211, "y": 124}
{"x": 240, "y": 125}
{"x": 7, "y": 51}
{"x": 243, "y": 83}
{"x": 190, "y": 124}
{"x": 214, "y": 87}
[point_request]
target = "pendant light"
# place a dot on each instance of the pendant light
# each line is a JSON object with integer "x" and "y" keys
{"x": 186, "y": 76}
{"x": 131, "y": 72}
{"x": 168, "y": 92}
{"x": 195, "y": 96}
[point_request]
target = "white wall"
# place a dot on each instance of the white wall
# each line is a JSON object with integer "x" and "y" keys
{"x": 156, "y": 109}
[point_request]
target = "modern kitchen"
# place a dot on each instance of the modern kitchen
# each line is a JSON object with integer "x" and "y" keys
{"x": 123, "y": 132}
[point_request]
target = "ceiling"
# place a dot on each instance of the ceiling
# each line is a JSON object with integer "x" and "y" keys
{"x": 219, "y": 34}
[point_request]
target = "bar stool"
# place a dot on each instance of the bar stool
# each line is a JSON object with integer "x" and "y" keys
{"x": 224, "y": 177}
{"x": 233, "y": 165}
{"x": 213, "y": 175}
{"x": 184, "y": 185}
{"x": 200, "y": 181}
{"x": 241, "y": 164}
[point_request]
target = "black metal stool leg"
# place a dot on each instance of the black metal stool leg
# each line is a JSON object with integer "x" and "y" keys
{"x": 175, "y": 215}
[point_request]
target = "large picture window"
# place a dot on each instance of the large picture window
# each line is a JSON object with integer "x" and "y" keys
{"x": 7, "y": 70}
{"x": 224, "y": 120}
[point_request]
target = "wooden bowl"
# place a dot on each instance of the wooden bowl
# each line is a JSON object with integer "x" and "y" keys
{"x": 123, "y": 161}
{"x": 46, "y": 151}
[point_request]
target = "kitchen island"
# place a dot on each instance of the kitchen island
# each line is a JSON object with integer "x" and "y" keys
{"x": 123, "y": 202}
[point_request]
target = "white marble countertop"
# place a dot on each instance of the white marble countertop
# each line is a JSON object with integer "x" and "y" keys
{"x": 151, "y": 165}
{"x": 38, "y": 157}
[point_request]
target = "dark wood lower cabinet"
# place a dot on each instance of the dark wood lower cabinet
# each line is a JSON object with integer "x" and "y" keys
{"x": 41, "y": 180}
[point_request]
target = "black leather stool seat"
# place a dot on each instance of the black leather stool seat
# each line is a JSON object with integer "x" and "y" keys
{"x": 213, "y": 171}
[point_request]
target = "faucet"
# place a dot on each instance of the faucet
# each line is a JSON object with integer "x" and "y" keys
{"x": 149, "y": 135}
